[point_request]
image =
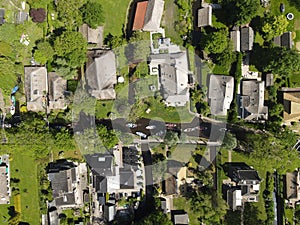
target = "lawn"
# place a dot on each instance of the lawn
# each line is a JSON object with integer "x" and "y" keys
{"x": 168, "y": 22}
{"x": 181, "y": 203}
{"x": 115, "y": 15}
{"x": 295, "y": 80}
{"x": 220, "y": 70}
{"x": 24, "y": 168}
{"x": 289, "y": 214}
{"x": 103, "y": 108}
{"x": 142, "y": 86}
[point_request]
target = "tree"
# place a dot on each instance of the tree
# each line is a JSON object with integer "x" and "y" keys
{"x": 92, "y": 14}
{"x": 274, "y": 26}
{"x": 241, "y": 11}
{"x": 171, "y": 138}
{"x": 225, "y": 58}
{"x": 72, "y": 46}
{"x": 138, "y": 48}
{"x": 229, "y": 141}
{"x": 69, "y": 13}
{"x": 37, "y": 15}
{"x": 44, "y": 52}
{"x": 108, "y": 137}
{"x": 215, "y": 42}
{"x": 154, "y": 218}
{"x": 114, "y": 41}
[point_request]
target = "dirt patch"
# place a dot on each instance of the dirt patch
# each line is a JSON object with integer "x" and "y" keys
{"x": 297, "y": 46}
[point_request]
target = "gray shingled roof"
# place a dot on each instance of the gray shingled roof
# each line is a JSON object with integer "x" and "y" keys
{"x": 101, "y": 76}
{"x": 205, "y": 16}
{"x": 220, "y": 93}
{"x": 57, "y": 88}
{"x": 153, "y": 15}
{"x": 181, "y": 219}
{"x": 101, "y": 163}
{"x": 247, "y": 39}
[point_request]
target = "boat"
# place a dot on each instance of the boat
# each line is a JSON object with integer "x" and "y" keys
{"x": 150, "y": 127}
{"x": 12, "y": 110}
{"x": 131, "y": 125}
{"x": 15, "y": 89}
{"x": 141, "y": 134}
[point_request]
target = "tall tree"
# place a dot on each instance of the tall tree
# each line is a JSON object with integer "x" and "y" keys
{"x": 44, "y": 52}
{"x": 72, "y": 46}
{"x": 274, "y": 26}
{"x": 92, "y": 14}
{"x": 215, "y": 42}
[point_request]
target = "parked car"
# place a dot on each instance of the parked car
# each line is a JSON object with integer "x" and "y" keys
{"x": 141, "y": 134}
{"x": 282, "y": 7}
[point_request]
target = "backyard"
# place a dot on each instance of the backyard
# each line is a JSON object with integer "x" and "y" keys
{"x": 180, "y": 203}
{"x": 115, "y": 16}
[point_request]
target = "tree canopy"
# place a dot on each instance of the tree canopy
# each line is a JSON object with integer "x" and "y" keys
{"x": 241, "y": 11}
{"x": 274, "y": 26}
{"x": 72, "y": 46}
{"x": 215, "y": 42}
{"x": 44, "y": 52}
{"x": 92, "y": 14}
{"x": 154, "y": 218}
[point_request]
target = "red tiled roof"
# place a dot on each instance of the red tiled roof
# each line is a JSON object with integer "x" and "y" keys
{"x": 139, "y": 17}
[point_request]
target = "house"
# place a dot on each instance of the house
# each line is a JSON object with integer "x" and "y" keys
{"x": 21, "y": 17}
{"x": 57, "y": 90}
{"x": 109, "y": 212}
{"x": 235, "y": 36}
{"x": 284, "y": 40}
{"x": 101, "y": 76}
{"x": 92, "y": 36}
{"x": 247, "y": 39}
{"x": 66, "y": 184}
{"x": 153, "y": 15}
{"x": 171, "y": 67}
{"x": 169, "y": 185}
{"x": 292, "y": 188}
{"x": 179, "y": 217}
{"x": 5, "y": 192}
{"x": 140, "y": 13}
{"x": 220, "y": 94}
{"x": 205, "y": 16}
{"x": 246, "y": 179}
{"x": 269, "y": 79}
{"x": 2, "y": 16}
{"x": 233, "y": 196}
{"x": 252, "y": 101}
{"x": 36, "y": 88}
{"x": 291, "y": 104}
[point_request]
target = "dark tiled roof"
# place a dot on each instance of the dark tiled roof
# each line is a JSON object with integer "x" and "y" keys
{"x": 66, "y": 199}
{"x": 59, "y": 182}
{"x": 169, "y": 186}
{"x": 126, "y": 179}
{"x": 102, "y": 164}
{"x": 247, "y": 38}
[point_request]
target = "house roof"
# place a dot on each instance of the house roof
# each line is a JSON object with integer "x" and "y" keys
{"x": 173, "y": 76}
{"x": 101, "y": 76}
{"x": 247, "y": 39}
{"x": 99, "y": 183}
{"x": 234, "y": 197}
{"x": 2, "y": 14}
{"x": 220, "y": 93}
{"x": 269, "y": 79}
{"x": 252, "y": 100}
{"x": 36, "y": 87}
{"x": 235, "y": 36}
{"x": 292, "y": 190}
{"x": 169, "y": 185}
{"x": 140, "y": 14}
{"x": 66, "y": 199}
{"x": 205, "y": 16}
{"x": 4, "y": 196}
{"x": 93, "y": 36}
{"x": 126, "y": 179}
{"x": 181, "y": 219}
{"x": 57, "y": 88}
{"x": 291, "y": 103}
{"x": 239, "y": 172}
{"x": 153, "y": 15}
{"x": 21, "y": 17}
{"x": 102, "y": 164}
{"x": 287, "y": 40}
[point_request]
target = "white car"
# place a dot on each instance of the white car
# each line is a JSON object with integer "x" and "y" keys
{"x": 150, "y": 127}
{"x": 131, "y": 125}
{"x": 141, "y": 134}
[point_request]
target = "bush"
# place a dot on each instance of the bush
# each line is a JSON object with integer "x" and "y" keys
{"x": 38, "y": 15}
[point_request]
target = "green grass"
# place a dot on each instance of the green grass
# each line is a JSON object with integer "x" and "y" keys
{"x": 115, "y": 15}
{"x": 220, "y": 70}
{"x": 295, "y": 79}
{"x": 205, "y": 70}
{"x": 169, "y": 18}
{"x": 24, "y": 168}
{"x": 182, "y": 204}
{"x": 142, "y": 86}
{"x": 289, "y": 214}
{"x": 102, "y": 108}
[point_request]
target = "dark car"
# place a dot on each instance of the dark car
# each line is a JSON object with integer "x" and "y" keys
{"x": 282, "y": 7}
